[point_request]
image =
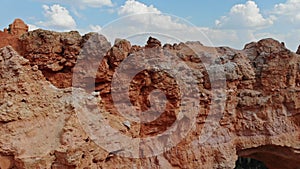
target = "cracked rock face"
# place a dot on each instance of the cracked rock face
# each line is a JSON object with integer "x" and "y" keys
{"x": 40, "y": 128}
{"x": 10, "y": 36}
{"x": 17, "y": 28}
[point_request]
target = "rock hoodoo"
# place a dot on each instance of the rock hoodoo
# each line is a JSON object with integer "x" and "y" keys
{"x": 10, "y": 35}
{"x": 17, "y": 28}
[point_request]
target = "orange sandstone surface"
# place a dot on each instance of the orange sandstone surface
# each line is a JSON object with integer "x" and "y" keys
{"x": 40, "y": 124}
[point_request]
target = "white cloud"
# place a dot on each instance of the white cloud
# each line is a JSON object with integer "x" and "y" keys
{"x": 93, "y": 3}
{"x": 90, "y": 28}
{"x": 135, "y": 7}
{"x": 139, "y": 21}
{"x": 288, "y": 11}
{"x": 142, "y": 15}
{"x": 32, "y": 27}
{"x": 291, "y": 38}
{"x": 245, "y": 23}
{"x": 244, "y": 16}
{"x": 223, "y": 37}
{"x": 58, "y": 18}
{"x": 95, "y": 28}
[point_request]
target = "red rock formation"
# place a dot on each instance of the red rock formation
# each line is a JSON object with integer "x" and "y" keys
{"x": 18, "y": 27}
{"x": 10, "y": 36}
{"x": 152, "y": 42}
{"x": 40, "y": 128}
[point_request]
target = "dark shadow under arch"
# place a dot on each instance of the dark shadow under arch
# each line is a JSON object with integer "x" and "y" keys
{"x": 273, "y": 156}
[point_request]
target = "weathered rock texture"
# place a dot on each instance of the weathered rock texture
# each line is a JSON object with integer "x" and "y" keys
{"x": 10, "y": 36}
{"x": 39, "y": 127}
{"x": 18, "y": 27}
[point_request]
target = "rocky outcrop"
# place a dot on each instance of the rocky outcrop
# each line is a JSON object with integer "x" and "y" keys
{"x": 17, "y": 28}
{"x": 50, "y": 84}
{"x": 10, "y": 36}
{"x": 152, "y": 42}
{"x": 54, "y": 53}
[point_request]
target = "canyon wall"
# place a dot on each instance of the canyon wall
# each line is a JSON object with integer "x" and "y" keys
{"x": 48, "y": 87}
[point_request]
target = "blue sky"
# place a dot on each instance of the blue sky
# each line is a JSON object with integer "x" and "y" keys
{"x": 227, "y": 22}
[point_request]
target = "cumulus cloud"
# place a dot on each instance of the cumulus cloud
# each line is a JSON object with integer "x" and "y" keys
{"x": 143, "y": 15}
{"x": 139, "y": 21}
{"x": 146, "y": 20}
{"x": 58, "y": 18}
{"x": 288, "y": 11}
{"x": 243, "y": 24}
{"x": 244, "y": 16}
{"x": 134, "y": 7}
{"x": 32, "y": 27}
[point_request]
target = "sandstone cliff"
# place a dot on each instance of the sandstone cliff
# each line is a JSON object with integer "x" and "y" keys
{"x": 41, "y": 119}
